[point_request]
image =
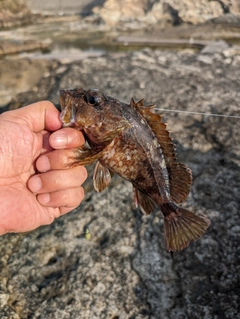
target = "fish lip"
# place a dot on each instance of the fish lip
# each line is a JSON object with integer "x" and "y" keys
{"x": 68, "y": 111}
{"x": 62, "y": 99}
{"x": 73, "y": 125}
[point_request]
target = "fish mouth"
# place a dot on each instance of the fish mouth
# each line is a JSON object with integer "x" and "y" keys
{"x": 68, "y": 113}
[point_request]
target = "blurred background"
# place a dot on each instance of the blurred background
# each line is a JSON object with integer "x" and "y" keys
{"x": 71, "y": 30}
{"x": 180, "y": 55}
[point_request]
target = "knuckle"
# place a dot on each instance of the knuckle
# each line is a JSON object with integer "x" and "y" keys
{"x": 84, "y": 173}
{"x": 81, "y": 193}
{"x": 78, "y": 196}
{"x": 49, "y": 218}
{"x": 63, "y": 158}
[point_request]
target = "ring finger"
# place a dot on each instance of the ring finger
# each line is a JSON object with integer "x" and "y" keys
{"x": 57, "y": 180}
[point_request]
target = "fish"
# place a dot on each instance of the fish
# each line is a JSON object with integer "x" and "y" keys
{"x": 132, "y": 140}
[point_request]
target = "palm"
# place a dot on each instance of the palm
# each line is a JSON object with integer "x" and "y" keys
{"x": 29, "y": 197}
{"x": 18, "y": 168}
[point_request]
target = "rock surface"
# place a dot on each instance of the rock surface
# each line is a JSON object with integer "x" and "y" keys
{"x": 122, "y": 14}
{"x": 14, "y": 13}
{"x": 201, "y": 19}
{"x": 114, "y": 12}
{"x": 123, "y": 271}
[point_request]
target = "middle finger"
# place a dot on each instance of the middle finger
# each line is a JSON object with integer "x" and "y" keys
{"x": 57, "y": 159}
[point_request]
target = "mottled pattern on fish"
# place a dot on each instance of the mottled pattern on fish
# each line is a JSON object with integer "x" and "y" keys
{"x": 132, "y": 141}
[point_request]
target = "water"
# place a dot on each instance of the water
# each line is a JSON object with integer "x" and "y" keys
{"x": 62, "y": 38}
{"x": 73, "y": 38}
{"x": 62, "y": 6}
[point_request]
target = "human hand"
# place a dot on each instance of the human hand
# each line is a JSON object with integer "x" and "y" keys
{"x": 36, "y": 185}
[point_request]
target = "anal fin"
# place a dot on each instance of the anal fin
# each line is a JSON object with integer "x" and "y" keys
{"x": 181, "y": 226}
{"x": 144, "y": 202}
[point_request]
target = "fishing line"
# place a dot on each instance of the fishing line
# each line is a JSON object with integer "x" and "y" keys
{"x": 185, "y": 112}
{"x": 199, "y": 113}
{"x": 226, "y": 9}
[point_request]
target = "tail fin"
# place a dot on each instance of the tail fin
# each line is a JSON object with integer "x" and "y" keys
{"x": 182, "y": 226}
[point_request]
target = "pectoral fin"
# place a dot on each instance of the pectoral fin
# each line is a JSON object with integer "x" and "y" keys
{"x": 144, "y": 202}
{"x": 101, "y": 177}
{"x": 86, "y": 156}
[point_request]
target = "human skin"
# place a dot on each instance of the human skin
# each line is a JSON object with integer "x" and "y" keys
{"x": 37, "y": 182}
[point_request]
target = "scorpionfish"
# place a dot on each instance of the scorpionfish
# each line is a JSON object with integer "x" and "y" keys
{"x": 133, "y": 142}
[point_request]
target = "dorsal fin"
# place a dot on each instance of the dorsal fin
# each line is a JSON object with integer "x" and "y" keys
{"x": 135, "y": 105}
{"x": 180, "y": 175}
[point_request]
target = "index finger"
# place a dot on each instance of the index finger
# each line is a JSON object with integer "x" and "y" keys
{"x": 66, "y": 138}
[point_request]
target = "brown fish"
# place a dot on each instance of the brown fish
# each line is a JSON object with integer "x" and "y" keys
{"x": 132, "y": 141}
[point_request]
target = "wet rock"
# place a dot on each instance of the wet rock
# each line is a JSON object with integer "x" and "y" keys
{"x": 10, "y": 47}
{"x": 215, "y": 47}
{"x": 228, "y": 18}
{"x": 123, "y": 270}
{"x": 232, "y": 51}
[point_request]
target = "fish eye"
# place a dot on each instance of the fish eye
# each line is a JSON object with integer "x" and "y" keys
{"x": 93, "y": 98}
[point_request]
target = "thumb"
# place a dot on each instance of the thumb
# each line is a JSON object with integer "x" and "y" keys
{"x": 38, "y": 116}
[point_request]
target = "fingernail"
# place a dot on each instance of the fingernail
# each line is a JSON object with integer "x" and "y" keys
{"x": 59, "y": 139}
{"x": 44, "y": 198}
{"x": 43, "y": 164}
{"x": 35, "y": 184}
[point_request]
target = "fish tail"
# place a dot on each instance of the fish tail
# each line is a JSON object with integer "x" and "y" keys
{"x": 181, "y": 226}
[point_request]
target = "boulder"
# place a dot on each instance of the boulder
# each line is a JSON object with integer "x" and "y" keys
{"x": 114, "y": 12}
{"x": 14, "y": 13}
{"x": 164, "y": 13}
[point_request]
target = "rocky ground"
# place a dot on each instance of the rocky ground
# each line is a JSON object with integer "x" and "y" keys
{"x": 123, "y": 271}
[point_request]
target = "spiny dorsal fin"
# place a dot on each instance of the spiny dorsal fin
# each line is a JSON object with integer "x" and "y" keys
{"x": 159, "y": 129}
{"x": 135, "y": 105}
{"x": 180, "y": 175}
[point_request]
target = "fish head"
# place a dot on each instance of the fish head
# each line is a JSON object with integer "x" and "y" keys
{"x": 98, "y": 115}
